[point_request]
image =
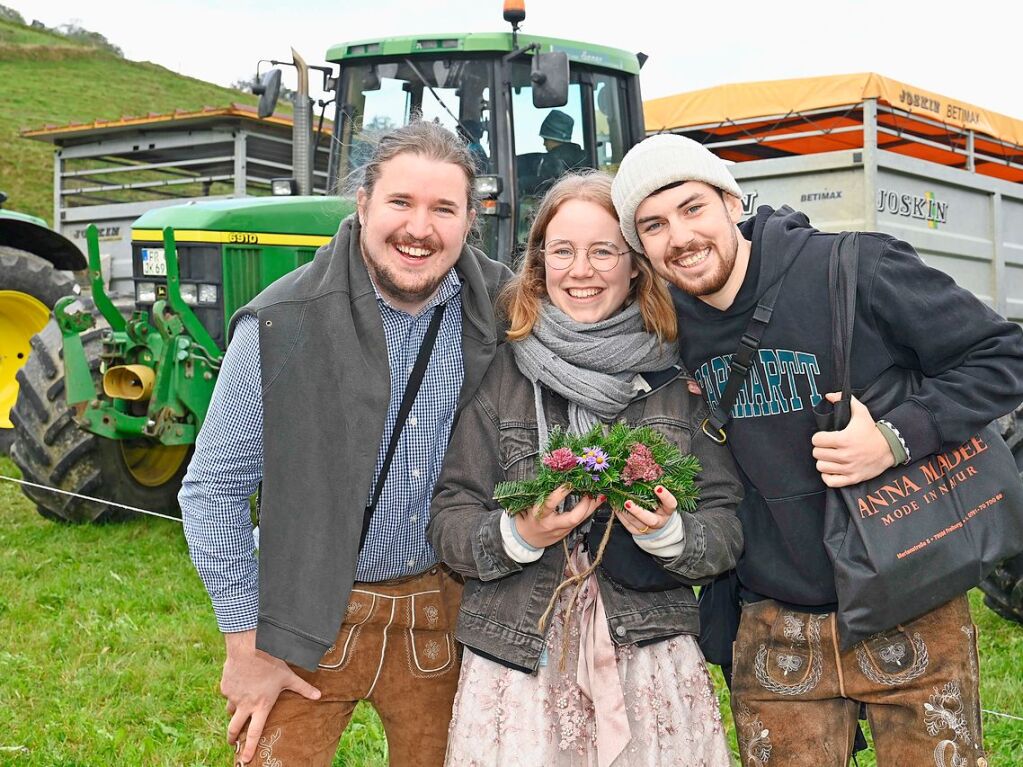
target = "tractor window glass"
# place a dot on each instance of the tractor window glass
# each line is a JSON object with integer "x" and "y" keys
{"x": 610, "y": 119}
{"x": 380, "y": 97}
{"x": 548, "y": 142}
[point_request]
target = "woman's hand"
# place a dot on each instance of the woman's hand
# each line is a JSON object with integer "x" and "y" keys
{"x": 640, "y": 521}
{"x": 542, "y": 525}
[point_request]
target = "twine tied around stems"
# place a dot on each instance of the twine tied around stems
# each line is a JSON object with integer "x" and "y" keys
{"x": 577, "y": 579}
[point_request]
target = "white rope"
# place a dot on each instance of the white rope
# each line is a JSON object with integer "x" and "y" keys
{"x": 91, "y": 498}
{"x": 17, "y": 749}
{"x": 999, "y": 713}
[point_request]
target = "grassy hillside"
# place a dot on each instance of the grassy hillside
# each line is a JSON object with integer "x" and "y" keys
{"x": 47, "y": 79}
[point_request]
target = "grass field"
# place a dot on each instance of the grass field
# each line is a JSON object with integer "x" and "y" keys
{"x": 109, "y": 654}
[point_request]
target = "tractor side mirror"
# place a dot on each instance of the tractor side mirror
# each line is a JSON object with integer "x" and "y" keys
{"x": 268, "y": 89}
{"x": 549, "y": 77}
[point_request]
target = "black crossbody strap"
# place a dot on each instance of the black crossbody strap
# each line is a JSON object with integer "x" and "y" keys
{"x": 415, "y": 380}
{"x": 842, "y": 270}
{"x": 742, "y": 361}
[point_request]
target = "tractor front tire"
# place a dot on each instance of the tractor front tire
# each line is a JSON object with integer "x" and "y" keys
{"x": 51, "y": 450}
{"x": 29, "y": 287}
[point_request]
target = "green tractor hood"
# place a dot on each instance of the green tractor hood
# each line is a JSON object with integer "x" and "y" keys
{"x": 249, "y": 219}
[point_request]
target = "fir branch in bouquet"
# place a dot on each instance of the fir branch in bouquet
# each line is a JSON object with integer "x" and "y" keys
{"x": 621, "y": 463}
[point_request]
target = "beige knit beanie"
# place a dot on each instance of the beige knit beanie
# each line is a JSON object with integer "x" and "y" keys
{"x": 656, "y": 162}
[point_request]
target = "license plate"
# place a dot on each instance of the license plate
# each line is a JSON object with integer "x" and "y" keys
{"x": 154, "y": 264}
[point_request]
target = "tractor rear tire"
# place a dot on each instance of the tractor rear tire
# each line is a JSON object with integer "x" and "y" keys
{"x": 29, "y": 287}
{"x": 51, "y": 450}
{"x": 1003, "y": 588}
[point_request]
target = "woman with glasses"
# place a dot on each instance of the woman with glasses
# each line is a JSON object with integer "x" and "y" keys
{"x": 613, "y": 676}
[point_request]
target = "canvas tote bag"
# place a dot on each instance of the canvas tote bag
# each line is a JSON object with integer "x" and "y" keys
{"x": 920, "y": 534}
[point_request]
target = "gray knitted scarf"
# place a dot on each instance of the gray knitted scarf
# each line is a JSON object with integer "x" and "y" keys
{"x": 592, "y": 365}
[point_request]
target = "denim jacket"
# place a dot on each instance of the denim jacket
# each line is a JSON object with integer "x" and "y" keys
{"x": 495, "y": 439}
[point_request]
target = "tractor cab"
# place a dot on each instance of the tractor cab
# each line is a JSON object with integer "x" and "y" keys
{"x": 529, "y": 108}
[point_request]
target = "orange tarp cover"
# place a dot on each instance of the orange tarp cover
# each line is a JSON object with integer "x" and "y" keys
{"x": 743, "y": 101}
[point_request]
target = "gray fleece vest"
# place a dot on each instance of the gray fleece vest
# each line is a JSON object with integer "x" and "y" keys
{"x": 326, "y": 385}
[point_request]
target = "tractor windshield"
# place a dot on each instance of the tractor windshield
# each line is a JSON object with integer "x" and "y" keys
{"x": 376, "y": 98}
{"x": 489, "y": 101}
{"x": 588, "y": 131}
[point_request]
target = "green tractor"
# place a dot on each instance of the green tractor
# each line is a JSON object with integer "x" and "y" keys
{"x": 111, "y": 400}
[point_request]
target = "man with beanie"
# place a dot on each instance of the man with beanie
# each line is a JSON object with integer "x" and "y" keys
{"x": 795, "y": 694}
{"x": 562, "y": 155}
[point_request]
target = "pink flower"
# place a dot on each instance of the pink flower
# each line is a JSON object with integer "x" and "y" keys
{"x": 561, "y": 459}
{"x": 640, "y": 466}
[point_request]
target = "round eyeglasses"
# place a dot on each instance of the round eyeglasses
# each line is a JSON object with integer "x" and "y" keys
{"x": 603, "y": 256}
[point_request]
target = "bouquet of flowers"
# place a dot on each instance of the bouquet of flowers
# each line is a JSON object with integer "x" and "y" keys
{"x": 620, "y": 463}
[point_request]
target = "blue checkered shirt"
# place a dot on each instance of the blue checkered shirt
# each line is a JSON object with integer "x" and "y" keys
{"x": 228, "y": 462}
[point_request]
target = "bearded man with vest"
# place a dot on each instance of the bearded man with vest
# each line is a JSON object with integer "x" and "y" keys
{"x": 346, "y": 601}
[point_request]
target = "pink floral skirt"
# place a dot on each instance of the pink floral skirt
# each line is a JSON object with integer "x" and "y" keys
{"x": 506, "y": 718}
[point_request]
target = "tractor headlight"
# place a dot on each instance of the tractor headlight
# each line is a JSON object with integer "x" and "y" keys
{"x": 207, "y": 294}
{"x": 190, "y": 293}
{"x": 145, "y": 292}
{"x": 488, "y": 186}
{"x": 283, "y": 186}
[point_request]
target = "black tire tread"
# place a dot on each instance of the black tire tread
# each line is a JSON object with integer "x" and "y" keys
{"x": 1003, "y": 588}
{"x": 28, "y": 393}
{"x": 49, "y": 369}
{"x": 28, "y": 273}
{"x": 51, "y": 450}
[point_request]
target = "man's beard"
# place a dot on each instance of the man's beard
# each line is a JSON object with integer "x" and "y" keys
{"x": 707, "y": 284}
{"x": 388, "y": 280}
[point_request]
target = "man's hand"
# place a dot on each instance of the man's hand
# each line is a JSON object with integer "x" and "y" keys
{"x": 252, "y": 681}
{"x": 542, "y": 525}
{"x": 856, "y": 453}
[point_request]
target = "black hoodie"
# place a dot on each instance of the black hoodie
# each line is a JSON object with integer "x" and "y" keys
{"x": 908, "y": 316}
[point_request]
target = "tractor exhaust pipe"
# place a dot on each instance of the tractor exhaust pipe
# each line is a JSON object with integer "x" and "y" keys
{"x": 301, "y": 142}
{"x": 129, "y": 382}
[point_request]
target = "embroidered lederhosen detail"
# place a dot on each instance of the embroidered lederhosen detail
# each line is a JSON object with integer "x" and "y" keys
{"x": 944, "y": 711}
{"x": 971, "y": 635}
{"x": 892, "y": 659}
{"x": 266, "y": 749}
{"x": 793, "y": 627}
{"x": 432, "y": 615}
{"x": 755, "y": 739}
{"x": 803, "y": 654}
{"x": 430, "y": 648}
{"x": 360, "y": 607}
{"x": 977, "y": 727}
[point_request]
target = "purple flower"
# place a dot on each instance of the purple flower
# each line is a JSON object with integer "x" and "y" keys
{"x": 640, "y": 466}
{"x": 561, "y": 459}
{"x": 594, "y": 459}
